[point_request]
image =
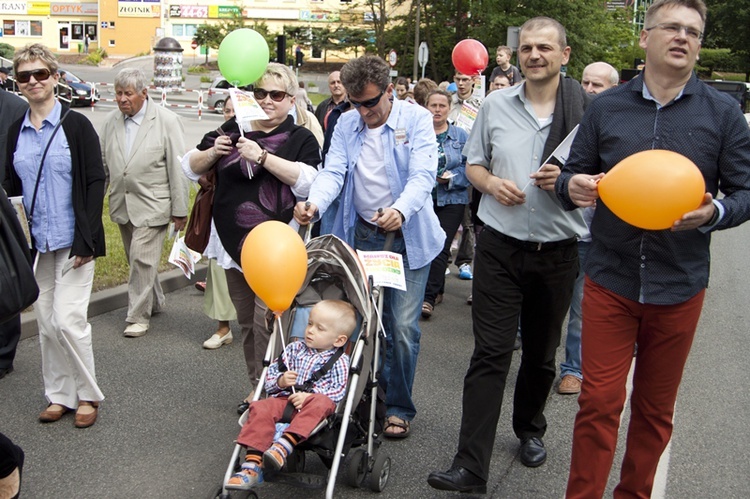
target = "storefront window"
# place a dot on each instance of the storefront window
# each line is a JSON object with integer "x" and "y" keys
{"x": 184, "y": 30}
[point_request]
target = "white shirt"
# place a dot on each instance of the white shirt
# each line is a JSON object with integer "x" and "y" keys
{"x": 132, "y": 125}
{"x": 371, "y": 188}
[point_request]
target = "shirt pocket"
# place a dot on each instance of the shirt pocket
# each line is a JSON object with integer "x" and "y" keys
{"x": 60, "y": 161}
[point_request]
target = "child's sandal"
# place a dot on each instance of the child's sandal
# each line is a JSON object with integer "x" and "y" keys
{"x": 249, "y": 476}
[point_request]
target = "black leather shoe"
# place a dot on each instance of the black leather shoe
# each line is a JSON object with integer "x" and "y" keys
{"x": 4, "y": 371}
{"x": 242, "y": 407}
{"x": 533, "y": 453}
{"x": 457, "y": 479}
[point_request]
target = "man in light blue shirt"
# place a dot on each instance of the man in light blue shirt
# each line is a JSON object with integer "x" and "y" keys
{"x": 385, "y": 156}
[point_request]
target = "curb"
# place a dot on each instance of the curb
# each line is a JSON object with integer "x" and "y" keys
{"x": 111, "y": 299}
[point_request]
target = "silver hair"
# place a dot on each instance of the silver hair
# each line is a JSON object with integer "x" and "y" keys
{"x": 131, "y": 78}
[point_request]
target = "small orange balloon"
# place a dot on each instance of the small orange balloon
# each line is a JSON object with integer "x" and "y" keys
{"x": 653, "y": 189}
{"x": 274, "y": 261}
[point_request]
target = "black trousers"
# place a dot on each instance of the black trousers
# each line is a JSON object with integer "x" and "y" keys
{"x": 509, "y": 281}
{"x": 450, "y": 217}
{"x": 10, "y": 333}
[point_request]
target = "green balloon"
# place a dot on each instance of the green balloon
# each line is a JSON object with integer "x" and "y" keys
{"x": 243, "y": 56}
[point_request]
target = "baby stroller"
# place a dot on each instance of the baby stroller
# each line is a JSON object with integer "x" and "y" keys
{"x": 353, "y": 432}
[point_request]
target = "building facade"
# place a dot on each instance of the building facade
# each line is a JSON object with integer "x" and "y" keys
{"x": 133, "y": 27}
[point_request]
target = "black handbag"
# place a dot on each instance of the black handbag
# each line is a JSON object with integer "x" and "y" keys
{"x": 18, "y": 288}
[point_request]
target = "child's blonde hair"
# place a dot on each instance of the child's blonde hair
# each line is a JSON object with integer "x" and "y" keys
{"x": 346, "y": 315}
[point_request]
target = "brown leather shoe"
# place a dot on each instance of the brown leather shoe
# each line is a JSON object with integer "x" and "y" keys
{"x": 53, "y": 413}
{"x": 86, "y": 420}
{"x": 569, "y": 385}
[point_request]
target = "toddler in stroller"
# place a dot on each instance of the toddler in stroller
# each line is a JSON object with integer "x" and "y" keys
{"x": 320, "y": 363}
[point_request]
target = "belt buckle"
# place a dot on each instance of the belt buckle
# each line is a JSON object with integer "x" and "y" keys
{"x": 538, "y": 247}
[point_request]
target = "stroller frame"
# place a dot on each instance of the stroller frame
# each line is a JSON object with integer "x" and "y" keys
{"x": 366, "y": 460}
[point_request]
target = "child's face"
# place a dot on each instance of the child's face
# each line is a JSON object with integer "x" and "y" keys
{"x": 322, "y": 332}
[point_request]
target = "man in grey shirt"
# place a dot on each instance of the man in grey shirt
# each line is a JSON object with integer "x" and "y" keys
{"x": 526, "y": 257}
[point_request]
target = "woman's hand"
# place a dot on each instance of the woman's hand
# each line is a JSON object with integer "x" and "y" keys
{"x": 249, "y": 149}
{"x": 222, "y": 145}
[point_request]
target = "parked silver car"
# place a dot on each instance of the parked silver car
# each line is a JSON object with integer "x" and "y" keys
{"x": 218, "y": 93}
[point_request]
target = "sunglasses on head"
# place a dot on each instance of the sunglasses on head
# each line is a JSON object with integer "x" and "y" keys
{"x": 38, "y": 74}
{"x": 276, "y": 95}
{"x": 367, "y": 103}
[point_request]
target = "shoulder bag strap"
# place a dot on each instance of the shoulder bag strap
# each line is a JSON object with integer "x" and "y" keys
{"x": 41, "y": 163}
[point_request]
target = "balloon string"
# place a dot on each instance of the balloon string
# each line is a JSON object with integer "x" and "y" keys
{"x": 283, "y": 346}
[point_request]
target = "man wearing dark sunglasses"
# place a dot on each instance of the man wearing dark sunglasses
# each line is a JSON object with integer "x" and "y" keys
{"x": 141, "y": 144}
{"x": 386, "y": 151}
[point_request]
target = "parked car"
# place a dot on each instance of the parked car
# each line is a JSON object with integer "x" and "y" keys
{"x": 737, "y": 89}
{"x": 74, "y": 90}
{"x": 215, "y": 99}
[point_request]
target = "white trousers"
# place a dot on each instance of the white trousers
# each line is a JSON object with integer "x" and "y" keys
{"x": 64, "y": 331}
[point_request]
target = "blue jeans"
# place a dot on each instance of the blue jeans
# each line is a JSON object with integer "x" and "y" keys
{"x": 401, "y": 311}
{"x": 572, "y": 364}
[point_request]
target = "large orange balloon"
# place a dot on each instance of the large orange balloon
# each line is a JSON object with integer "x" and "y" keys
{"x": 274, "y": 260}
{"x": 653, "y": 189}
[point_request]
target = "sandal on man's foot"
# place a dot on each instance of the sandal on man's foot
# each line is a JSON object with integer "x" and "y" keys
{"x": 251, "y": 475}
{"x": 396, "y": 423}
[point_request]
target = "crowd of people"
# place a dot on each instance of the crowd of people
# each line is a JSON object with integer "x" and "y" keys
{"x": 429, "y": 166}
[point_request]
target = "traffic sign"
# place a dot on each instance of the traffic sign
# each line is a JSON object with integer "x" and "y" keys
{"x": 423, "y": 56}
{"x": 392, "y": 58}
{"x": 194, "y": 45}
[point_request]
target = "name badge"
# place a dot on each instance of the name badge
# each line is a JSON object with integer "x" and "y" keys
{"x": 401, "y": 138}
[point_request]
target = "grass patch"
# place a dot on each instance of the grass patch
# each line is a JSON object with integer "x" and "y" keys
{"x": 317, "y": 98}
{"x": 113, "y": 269}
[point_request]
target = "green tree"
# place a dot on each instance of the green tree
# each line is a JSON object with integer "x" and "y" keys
{"x": 209, "y": 36}
{"x": 7, "y": 51}
{"x": 594, "y": 33}
{"x": 728, "y": 26}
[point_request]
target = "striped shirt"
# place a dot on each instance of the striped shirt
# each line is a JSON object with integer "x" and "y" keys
{"x": 305, "y": 361}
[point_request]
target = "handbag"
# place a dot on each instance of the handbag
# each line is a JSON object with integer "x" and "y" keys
{"x": 18, "y": 288}
{"x": 198, "y": 228}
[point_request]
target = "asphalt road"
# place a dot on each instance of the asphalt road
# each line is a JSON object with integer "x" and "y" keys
{"x": 167, "y": 426}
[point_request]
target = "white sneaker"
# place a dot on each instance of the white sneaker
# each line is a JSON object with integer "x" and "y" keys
{"x": 216, "y": 341}
{"x": 135, "y": 330}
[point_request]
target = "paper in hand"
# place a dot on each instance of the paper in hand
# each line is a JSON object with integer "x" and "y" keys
{"x": 560, "y": 153}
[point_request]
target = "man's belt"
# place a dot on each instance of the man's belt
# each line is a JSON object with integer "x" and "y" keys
{"x": 378, "y": 228}
{"x": 530, "y": 245}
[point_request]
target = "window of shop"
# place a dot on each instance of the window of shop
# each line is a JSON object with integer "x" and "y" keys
{"x": 80, "y": 28}
{"x": 22, "y": 28}
{"x": 184, "y": 30}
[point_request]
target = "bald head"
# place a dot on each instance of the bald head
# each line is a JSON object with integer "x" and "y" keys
{"x": 335, "y": 86}
{"x": 598, "y": 77}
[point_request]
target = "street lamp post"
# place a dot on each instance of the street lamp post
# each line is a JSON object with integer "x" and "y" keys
{"x": 416, "y": 44}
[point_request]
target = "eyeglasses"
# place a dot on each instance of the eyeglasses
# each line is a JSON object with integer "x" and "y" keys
{"x": 38, "y": 74}
{"x": 276, "y": 95}
{"x": 674, "y": 29}
{"x": 367, "y": 103}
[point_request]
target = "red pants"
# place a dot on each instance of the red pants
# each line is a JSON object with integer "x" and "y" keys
{"x": 258, "y": 430}
{"x": 612, "y": 325}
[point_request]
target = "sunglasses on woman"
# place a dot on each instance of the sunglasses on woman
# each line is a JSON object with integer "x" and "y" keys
{"x": 276, "y": 95}
{"x": 38, "y": 74}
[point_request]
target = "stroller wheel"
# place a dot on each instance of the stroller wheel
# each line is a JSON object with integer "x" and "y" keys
{"x": 296, "y": 462}
{"x": 381, "y": 470}
{"x": 356, "y": 469}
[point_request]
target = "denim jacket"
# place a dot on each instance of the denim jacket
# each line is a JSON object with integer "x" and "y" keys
{"x": 455, "y": 191}
{"x": 411, "y": 166}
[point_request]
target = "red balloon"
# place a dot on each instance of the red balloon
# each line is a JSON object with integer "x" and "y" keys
{"x": 470, "y": 57}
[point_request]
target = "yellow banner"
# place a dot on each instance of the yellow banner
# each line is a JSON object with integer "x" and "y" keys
{"x": 37, "y": 8}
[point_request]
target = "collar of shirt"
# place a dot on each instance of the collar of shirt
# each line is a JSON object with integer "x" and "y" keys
{"x": 647, "y": 95}
{"x": 138, "y": 117}
{"x": 52, "y": 118}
